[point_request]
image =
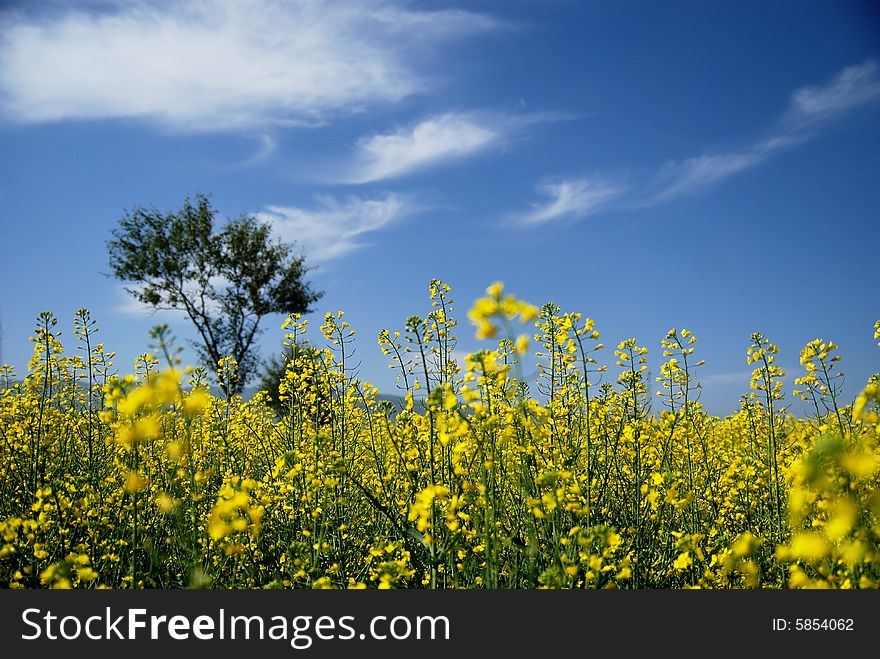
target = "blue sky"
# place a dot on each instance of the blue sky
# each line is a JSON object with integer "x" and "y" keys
{"x": 709, "y": 166}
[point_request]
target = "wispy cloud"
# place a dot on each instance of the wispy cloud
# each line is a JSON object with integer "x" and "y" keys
{"x": 853, "y": 86}
{"x": 266, "y": 148}
{"x": 809, "y": 106}
{"x": 808, "y": 109}
{"x": 677, "y": 179}
{"x": 129, "y": 306}
{"x": 569, "y": 198}
{"x": 335, "y": 228}
{"x": 126, "y": 305}
{"x": 217, "y": 65}
{"x": 435, "y": 140}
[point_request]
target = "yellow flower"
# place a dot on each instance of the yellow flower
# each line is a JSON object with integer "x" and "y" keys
{"x": 196, "y": 403}
{"x": 808, "y": 546}
{"x": 683, "y": 562}
{"x": 134, "y": 482}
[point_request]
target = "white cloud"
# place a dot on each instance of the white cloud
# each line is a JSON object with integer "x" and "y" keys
{"x": 809, "y": 106}
{"x": 334, "y": 228}
{"x": 853, "y": 86}
{"x": 574, "y": 198}
{"x": 126, "y": 305}
{"x": 433, "y": 141}
{"x": 212, "y": 65}
{"x": 266, "y": 148}
{"x": 678, "y": 179}
{"x": 130, "y": 306}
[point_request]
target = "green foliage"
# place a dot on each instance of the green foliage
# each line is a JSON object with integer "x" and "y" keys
{"x": 225, "y": 280}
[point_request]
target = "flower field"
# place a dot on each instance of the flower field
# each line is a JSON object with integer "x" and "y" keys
{"x": 593, "y": 475}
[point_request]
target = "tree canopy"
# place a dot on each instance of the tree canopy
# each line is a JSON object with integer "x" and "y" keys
{"x": 226, "y": 279}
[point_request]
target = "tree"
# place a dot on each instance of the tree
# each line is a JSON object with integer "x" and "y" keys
{"x": 226, "y": 281}
{"x": 271, "y": 376}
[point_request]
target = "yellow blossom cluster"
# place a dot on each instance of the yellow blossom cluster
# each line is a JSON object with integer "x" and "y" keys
{"x": 474, "y": 477}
